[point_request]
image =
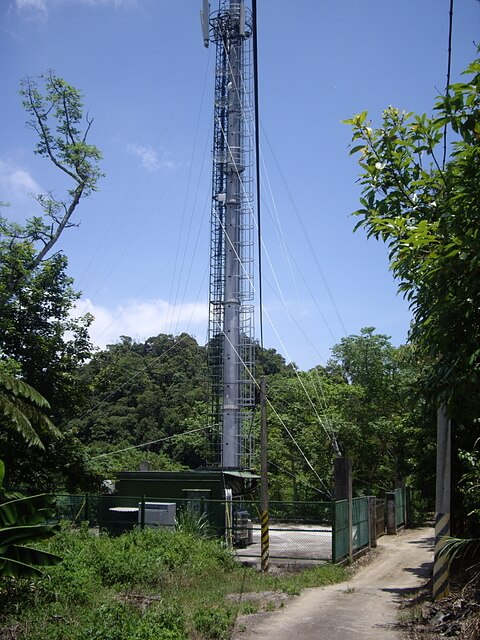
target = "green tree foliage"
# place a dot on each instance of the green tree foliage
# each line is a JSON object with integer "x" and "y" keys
{"x": 153, "y": 392}
{"x": 148, "y": 392}
{"x": 386, "y": 428}
{"x": 300, "y": 436}
{"x": 428, "y": 215}
{"x": 23, "y": 519}
{"x": 363, "y": 400}
{"x": 427, "y": 211}
{"x": 37, "y": 329}
{"x": 56, "y": 115}
{"x": 39, "y": 337}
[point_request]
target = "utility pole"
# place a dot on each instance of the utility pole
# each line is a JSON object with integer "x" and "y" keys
{"x": 264, "y": 518}
{"x": 442, "y": 504}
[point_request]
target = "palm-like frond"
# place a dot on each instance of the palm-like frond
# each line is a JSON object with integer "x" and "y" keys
{"x": 21, "y": 389}
{"x": 459, "y": 548}
{"x": 19, "y": 560}
{"x": 23, "y": 521}
{"x": 22, "y": 409}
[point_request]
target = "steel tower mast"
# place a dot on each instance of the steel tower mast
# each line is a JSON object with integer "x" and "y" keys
{"x": 231, "y": 341}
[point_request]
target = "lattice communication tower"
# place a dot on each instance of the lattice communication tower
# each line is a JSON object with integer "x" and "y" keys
{"x": 231, "y": 324}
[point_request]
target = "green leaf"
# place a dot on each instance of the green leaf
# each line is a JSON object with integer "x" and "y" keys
{"x": 357, "y": 148}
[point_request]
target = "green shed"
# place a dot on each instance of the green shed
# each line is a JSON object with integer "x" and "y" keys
{"x": 217, "y": 493}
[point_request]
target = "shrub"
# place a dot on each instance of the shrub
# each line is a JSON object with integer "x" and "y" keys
{"x": 214, "y": 623}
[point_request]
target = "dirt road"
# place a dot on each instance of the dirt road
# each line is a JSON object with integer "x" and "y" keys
{"x": 365, "y": 607}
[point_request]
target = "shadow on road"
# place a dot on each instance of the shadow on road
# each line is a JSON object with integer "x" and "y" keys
{"x": 424, "y": 543}
{"x": 423, "y": 571}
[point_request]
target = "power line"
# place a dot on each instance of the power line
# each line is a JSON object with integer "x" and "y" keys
{"x": 145, "y": 444}
{"x": 307, "y": 237}
{"x": 449, "y": 65}
{"x": 331, "y": 435}
{"x": 177, "y": 279}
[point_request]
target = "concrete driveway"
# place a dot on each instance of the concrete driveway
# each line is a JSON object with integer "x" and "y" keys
{"x": 363, "y": 608}
{"x": 289, "y": 541}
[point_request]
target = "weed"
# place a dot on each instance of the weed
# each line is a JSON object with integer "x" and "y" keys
{"x": 192, "y": 523}
{"x": 413, "y": 614}
{"x": 214, "y": 623}
{"x": 140, "y": 586}
{"x": 248, "y": 608}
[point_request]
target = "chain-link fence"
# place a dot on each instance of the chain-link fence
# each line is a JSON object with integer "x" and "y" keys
{"x": 298, "y": 530}
{"x": 311, "y": 531}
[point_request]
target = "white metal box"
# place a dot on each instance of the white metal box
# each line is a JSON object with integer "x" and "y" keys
{"x": 158, "y": 514}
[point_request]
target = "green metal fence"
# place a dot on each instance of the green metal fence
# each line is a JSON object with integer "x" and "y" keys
{"x": 360, "y": 533}
{"x": 341, "y": 532}
{"x": 400, "y": 507}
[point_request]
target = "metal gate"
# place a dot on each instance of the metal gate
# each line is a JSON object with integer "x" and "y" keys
{"x": 297, "y": 531}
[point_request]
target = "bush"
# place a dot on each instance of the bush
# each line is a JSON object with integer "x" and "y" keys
{"x": 142, "y": 585}
{"x": 124, "y": 622}
{"x": 214, "y": 623}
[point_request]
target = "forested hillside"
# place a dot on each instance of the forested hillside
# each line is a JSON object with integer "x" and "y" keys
{"x": 149, "y": 401}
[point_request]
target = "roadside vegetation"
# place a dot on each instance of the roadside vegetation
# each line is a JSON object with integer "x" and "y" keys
{"x": 142, "y": 585}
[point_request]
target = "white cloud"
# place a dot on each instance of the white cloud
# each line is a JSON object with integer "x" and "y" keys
{"x": 141, "y": 320}
{"x": 114, "y": 3}
{"x": 35, "y": 5}
{"x": 147, "y": 155}
{"x": 39, "y": 8}
{"x": 16, "y": 184}
{"x": 152, "y": 160}
{"x": 33, "y": 9}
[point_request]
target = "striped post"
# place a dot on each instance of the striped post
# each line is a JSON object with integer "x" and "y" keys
{"x": 265, "y": 542}
{"x": 441, "y": 565}
{"x": 442, "y": 505}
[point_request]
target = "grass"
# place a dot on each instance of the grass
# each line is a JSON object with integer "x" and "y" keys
{"x": 144, "y": 585}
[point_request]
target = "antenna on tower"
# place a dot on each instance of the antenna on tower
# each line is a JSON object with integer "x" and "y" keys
{"x": 204, "y": 14}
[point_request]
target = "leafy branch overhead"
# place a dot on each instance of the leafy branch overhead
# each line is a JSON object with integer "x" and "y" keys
{"x": 427, "y": 213}
{"x": 57, "y": 116}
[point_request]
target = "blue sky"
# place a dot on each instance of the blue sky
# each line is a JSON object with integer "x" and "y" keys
{"x": 140, "y": 254}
